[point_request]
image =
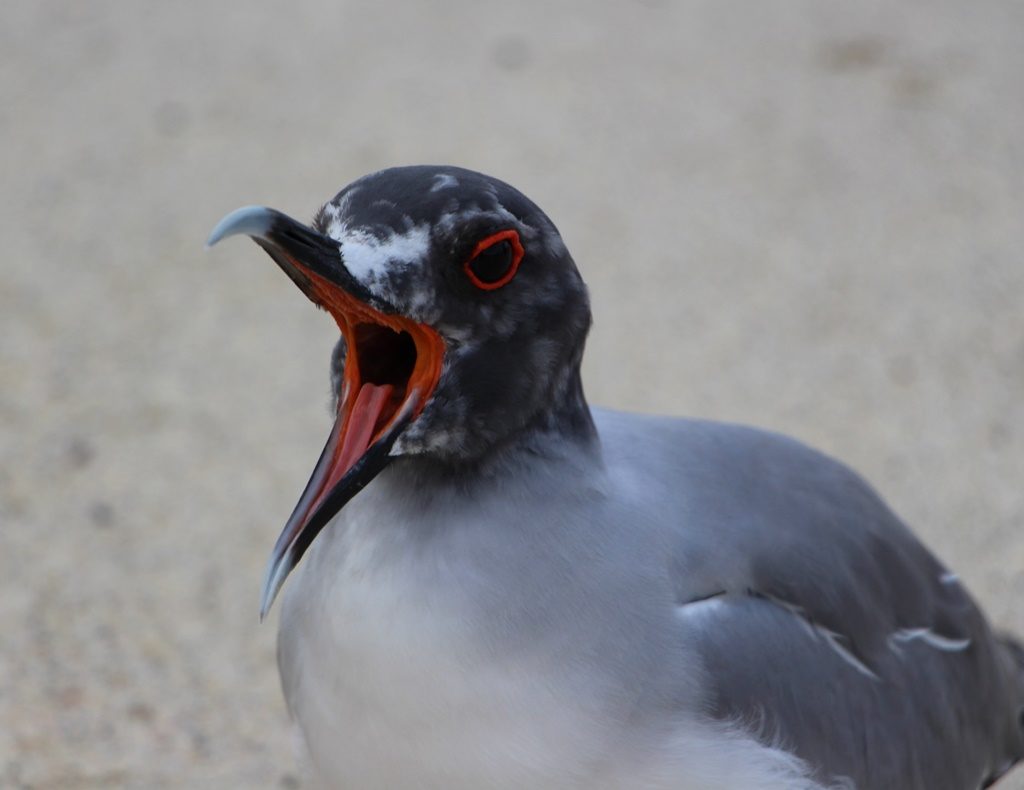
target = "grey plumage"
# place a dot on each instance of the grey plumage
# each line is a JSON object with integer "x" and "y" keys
{"x": 802, "y": 548}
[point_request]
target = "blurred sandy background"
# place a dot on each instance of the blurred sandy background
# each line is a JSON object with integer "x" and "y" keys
{"x": 805, "y": 215}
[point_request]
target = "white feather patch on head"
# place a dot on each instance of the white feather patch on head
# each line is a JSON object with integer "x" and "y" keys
{"x": 368, "y": 257}
{"x": 335, "y": 210}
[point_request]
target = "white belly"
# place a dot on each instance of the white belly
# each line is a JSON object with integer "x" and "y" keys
{"x": 394, "y": 683}
{"x": 391, "y": 690}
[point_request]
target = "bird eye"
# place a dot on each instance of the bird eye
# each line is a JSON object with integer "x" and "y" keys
{"x": 494, "y": 260}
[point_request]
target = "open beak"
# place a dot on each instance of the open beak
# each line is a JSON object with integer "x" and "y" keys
{"x": 392, "y": 367}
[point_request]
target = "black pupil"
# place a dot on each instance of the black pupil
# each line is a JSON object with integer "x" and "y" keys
{"x": 491, "y": 264}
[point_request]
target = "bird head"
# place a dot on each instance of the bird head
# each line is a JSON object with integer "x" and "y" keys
{"x": 462, "y": 318}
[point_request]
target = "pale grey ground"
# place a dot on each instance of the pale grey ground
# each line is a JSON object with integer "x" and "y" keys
{"x": 802, "y": 214}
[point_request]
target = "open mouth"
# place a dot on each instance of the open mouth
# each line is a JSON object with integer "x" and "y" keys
{"x": 392, "y": 367}
{"x": 383, "y": 361}
{"x": 384, "y": 356}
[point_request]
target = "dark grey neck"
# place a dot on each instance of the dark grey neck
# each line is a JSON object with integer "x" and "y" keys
{"x": 564, "y": 431}
{"x": 568, "y": 419}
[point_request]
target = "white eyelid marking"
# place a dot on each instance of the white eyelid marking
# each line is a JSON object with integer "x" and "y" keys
{"x": 949, "y": 578}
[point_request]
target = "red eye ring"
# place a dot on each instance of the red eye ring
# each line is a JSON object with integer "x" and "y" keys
{"x": 512, "y": 237}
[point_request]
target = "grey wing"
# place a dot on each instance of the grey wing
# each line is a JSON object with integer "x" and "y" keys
{"x": 828, "y": 628}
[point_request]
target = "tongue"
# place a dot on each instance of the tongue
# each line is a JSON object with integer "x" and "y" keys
{"x": 370, "y": 402}
{"x": 357, "y": 433}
